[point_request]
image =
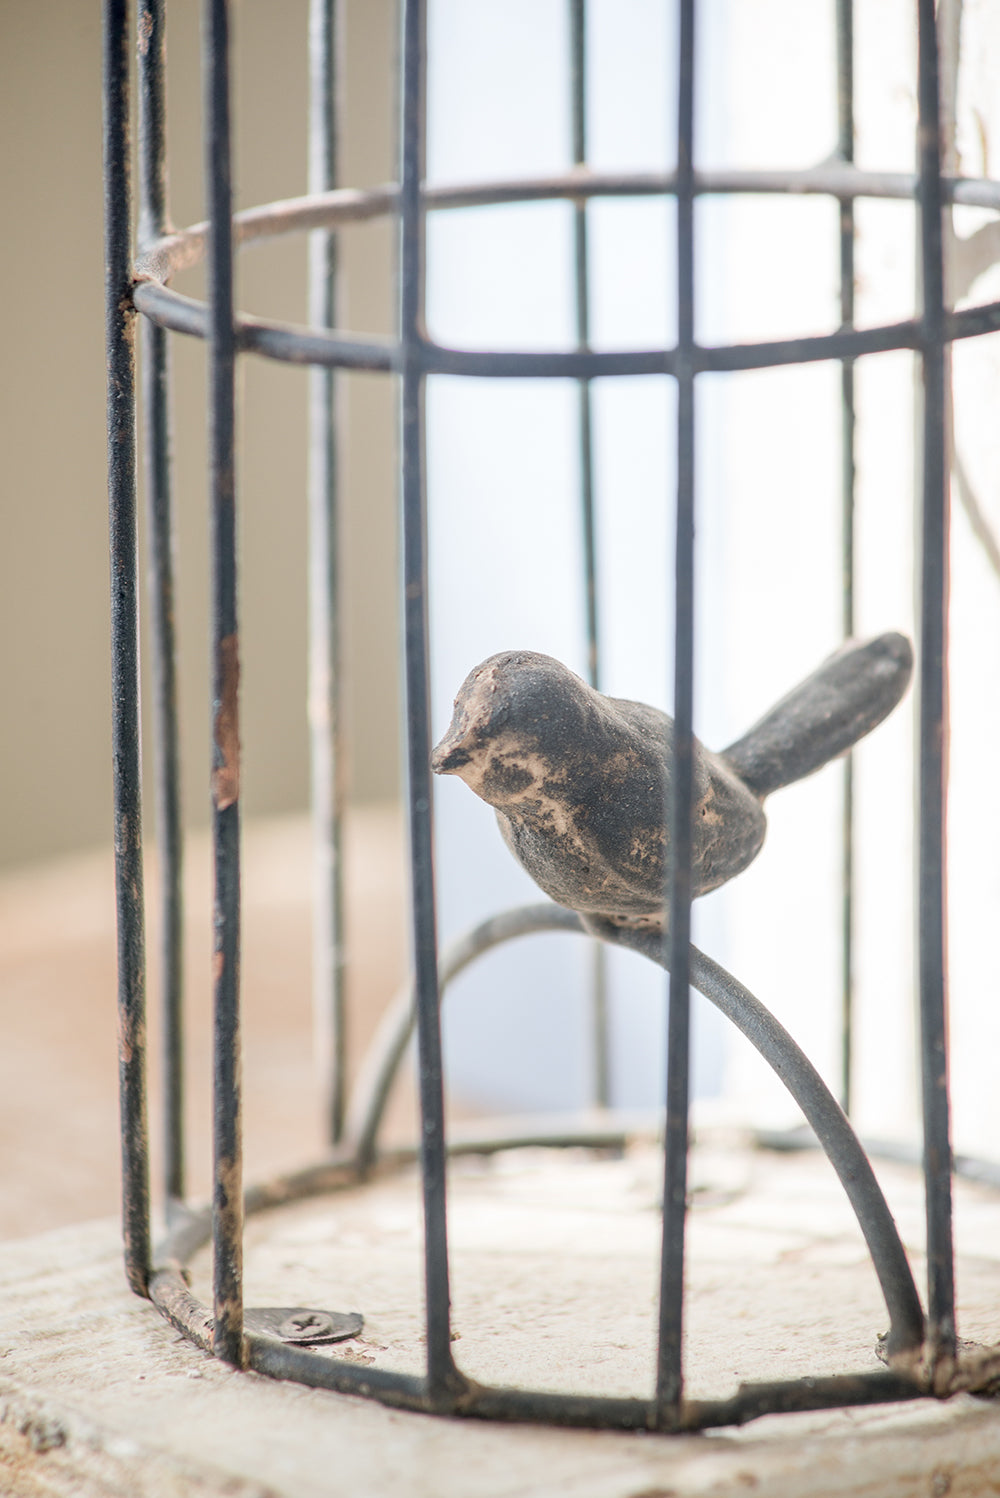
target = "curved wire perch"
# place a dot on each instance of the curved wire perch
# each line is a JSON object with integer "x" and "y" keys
{"x": 378, "y": 1070}
{"x": 768, "y": 1037}
{"x": 824, "y": 1113}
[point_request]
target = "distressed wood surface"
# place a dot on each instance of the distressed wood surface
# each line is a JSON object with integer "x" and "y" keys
{"x": 554, "y": 1265}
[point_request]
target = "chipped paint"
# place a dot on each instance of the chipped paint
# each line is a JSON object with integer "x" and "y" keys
{"x": 581, "y": 783}
{"x": 226, "y": 726}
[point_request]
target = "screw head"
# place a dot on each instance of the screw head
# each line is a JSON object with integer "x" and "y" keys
{"x": 300, "y": 1325}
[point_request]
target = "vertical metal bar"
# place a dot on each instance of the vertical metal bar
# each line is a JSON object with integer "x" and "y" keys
{"x": 161, "y": 527}
{"x": 669, "y": 1383}
{"x": 578, "y": 89}
{"x": 125, "y": 726}
{"x": 581, "y": 265}
{"x": 228, "y": 1163}
{"x": 845, "y": 152}
{"x": 933, "y": 707}
{"x": 325, "y": 670}
{"x": 442, "y": 1376}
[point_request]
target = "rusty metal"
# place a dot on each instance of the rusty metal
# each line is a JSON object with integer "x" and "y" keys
{"x": 845, "y": 153}
{"x": 678, "y": 788}
{"x": 289, "y": 342}
{"x": 832, "y": 1131}
{"x": 126, "y": 745}
{"x": 975, "y": 1369}
{"x": 326, "y": 657}
{"x": 943, "y": 1366}
{"x": 301, "y": 1327}
{"x": 227, "y": 1336}
{"x": 292, "y": 344}
{"x": 598, "y": 968}
{"x": 933, "y": 711}
{"x": 185, "y": 248}
{"x": 443, "y": 1379}
{"x": 161, "y": 528}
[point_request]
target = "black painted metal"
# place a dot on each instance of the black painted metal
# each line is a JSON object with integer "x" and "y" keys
{"x": 669, "y": 1374}
{"x": 845, "y": 152}
{"x": 830, "y": 1126}
{"x": 381, "y": 1064}
{"x": 836, "y": 1138}
{"x": 751, "y": 1401}
{"x": 479, "y": 1401}
{"x": 325, "y": 654}
{"x": 300, "y": 346}
{"x": 160, "y": 523}
{"x": 442, "y": 1376}
{"x": 414, "y": 358}
{"x": 483, "y": 1402}
{"x": 598, "y": 973}
{"x": 185, "y": 247}
{"x": 228, "y": 1142}
{"x": 125, "y": 745}
{"x": 581, "y": 274}
{"x": 932, "y": 908}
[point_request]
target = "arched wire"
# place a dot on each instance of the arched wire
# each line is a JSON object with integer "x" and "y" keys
{"x": 750, "y": 1016}
{"x": 371, "y": 1090}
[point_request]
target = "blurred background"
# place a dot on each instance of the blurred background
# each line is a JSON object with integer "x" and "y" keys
{"x": 505, "y": 553}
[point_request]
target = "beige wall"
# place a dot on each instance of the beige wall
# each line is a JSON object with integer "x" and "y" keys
{"x": 54, "y": 739}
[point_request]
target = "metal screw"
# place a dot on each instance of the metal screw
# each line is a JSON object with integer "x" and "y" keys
{"x": 302, "y": 1323}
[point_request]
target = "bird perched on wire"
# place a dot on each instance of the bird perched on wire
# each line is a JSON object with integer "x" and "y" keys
{"x": 580, "y": 782}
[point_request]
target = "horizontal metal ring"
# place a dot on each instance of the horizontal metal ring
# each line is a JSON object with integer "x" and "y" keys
{"x": 162, "y": 258}
{"x": 294, "y": 344}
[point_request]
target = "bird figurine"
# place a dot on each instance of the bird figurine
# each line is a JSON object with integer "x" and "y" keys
{"x": 580, "y": 782}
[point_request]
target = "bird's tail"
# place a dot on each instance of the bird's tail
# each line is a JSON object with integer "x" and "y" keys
{"x": 824, "y": 715}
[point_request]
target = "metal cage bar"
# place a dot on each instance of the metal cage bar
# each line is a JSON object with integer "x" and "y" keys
{"x": 845, "y": 152}
{"x": 933, "y": 708}
{"x": 678, "y": 812}
{"x": 581, "y": 280}
{"x": 228, "y": 1141}
{"x": 598, "y": 964}
{"x": 325, "y": 650}
{"x": 413, "y": 356}
{"x": 442, "y": 1375}
{"x": 160, "y": 521}
{"x": 126, "y": 741}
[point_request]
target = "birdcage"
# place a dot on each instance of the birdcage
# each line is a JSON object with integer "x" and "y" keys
{"x": 922, "y": 1353}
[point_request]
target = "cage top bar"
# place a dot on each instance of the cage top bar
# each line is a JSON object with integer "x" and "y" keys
{"x": 160, "y": 260}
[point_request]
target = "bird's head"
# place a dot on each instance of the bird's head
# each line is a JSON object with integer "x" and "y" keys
{"x": 516, "y": 717}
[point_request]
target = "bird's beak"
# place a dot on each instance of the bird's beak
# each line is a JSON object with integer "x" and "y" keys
{"x": 451, "y": 755}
